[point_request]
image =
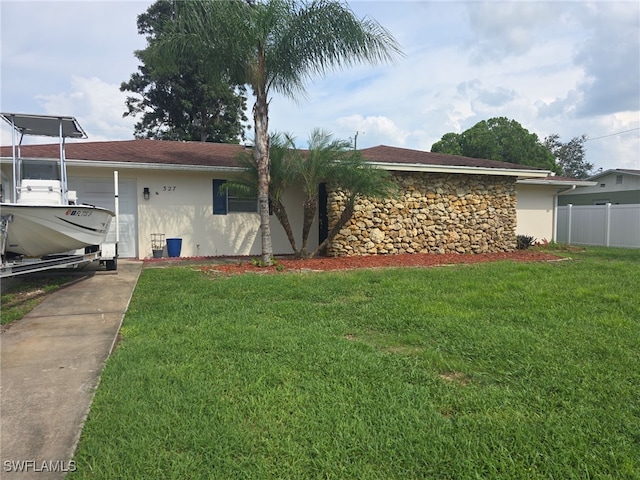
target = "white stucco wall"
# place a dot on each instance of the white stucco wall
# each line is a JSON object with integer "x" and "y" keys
{"x": 535, "y": 210}
{"x": 181, "y": 206}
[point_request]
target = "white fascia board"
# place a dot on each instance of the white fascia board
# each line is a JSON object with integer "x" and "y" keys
{"x": 135, "y": 165}
{"x": 617, "y": 171}
{"x": 557, "y": 183}
{"x": 153, "y": 166}
{"x": 419, "y": 167}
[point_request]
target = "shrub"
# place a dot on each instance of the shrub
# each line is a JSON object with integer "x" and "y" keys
{"x": 525, "y": 241}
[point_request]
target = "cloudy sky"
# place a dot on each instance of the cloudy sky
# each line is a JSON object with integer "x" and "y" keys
{"x": 569, "y": 68}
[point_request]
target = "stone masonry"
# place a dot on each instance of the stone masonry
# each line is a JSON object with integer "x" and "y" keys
{"x": 432, "y": 213}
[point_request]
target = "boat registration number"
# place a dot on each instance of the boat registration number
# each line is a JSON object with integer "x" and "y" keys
{"x": 78, "y": 213}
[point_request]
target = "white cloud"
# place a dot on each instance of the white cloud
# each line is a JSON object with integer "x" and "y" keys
{"x": 611, "y": 58}
{"x": 98, "y": 106}
{"x": 384, "y": 129}
{"x": 507, "y": 29}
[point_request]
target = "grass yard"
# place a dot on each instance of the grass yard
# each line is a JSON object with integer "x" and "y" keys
{"x": 25, "y": 293}
{"x": 502, "y": 370}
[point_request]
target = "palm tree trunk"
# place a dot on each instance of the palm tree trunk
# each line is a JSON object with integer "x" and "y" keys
{"x": 309, "y": 209}
{"x": 281, "y": 214}
{"x": 345, "y": 216}
{"x": 261, "y": 152}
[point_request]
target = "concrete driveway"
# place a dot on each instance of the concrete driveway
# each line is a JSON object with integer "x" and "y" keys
{"x": 50, "y": 366}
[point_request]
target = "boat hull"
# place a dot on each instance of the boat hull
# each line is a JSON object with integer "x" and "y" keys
{"x": 40, "y": 230}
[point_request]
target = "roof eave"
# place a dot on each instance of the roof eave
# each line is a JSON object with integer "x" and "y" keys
{"x": 154, "y": 166}
{"x": 459, "y": 169}
{"x": 619, "y": 171}
{"x": 139, "y": 165}
{"x": 557, "y": 183}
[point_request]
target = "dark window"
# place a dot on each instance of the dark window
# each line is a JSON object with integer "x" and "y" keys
{"x": 219, "y": 198}
{"x": 228, "y": 200}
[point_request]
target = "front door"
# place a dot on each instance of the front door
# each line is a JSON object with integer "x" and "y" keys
{"x": 323, "y": 217}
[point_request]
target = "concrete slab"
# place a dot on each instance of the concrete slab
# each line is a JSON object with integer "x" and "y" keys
{"x": 50, "y": 366}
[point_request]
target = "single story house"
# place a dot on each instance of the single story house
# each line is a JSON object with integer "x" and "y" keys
{"x": 446, "y": 203}
{"x": 616, "y": 186}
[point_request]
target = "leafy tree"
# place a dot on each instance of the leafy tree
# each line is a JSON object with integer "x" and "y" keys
{"x": 498, "y": 139}
{"x": 276, "y": 46}
{"x": 570, "y": 156}
{"x": 181, "y": 100}
{"x": 450, "y": 143}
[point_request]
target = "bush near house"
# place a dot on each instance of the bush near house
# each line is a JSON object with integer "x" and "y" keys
{"x": 525, "y": 241}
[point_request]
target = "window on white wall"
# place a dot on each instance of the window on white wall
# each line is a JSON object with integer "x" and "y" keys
{"x": 228, "y": 200}
{"x": 618, "y": 179}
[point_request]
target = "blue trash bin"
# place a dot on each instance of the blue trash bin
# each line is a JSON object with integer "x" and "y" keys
{"x": 174, "y": 245}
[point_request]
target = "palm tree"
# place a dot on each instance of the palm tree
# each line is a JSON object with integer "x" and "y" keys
{"x": 357, "y": 179}
{"x": 284, "y": 172}
{"x": 318, "y": 166}
{"x": 327, "y": 160}
{"x": 276, "y": 46}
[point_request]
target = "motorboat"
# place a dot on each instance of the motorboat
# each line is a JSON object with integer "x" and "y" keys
{"x": 43, "y": 217}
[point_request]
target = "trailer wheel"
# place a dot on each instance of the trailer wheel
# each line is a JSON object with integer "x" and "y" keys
{"x": 111, "y": 264}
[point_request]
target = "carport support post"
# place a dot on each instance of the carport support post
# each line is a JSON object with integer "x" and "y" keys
{"x": 116, "y": 205}
{"x": 63, "y": 168}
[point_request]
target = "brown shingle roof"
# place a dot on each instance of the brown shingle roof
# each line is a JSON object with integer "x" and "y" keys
{"x": 223, "y": 155}
{"x": 139, "y": 151}
{"x": 387, "y": 154}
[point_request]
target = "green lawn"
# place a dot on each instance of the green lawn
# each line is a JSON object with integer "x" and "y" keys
{"x": 27, "y": 292}
{"x": 500, "y": 370}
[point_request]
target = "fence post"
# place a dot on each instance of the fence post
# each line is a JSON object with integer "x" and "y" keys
{"x": 607, "y": 224}
{"x": 570, "y": 206}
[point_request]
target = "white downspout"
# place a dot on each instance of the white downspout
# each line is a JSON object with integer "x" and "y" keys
{"x": 555, "y": 210}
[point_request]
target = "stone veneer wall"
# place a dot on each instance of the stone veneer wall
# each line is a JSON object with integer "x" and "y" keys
{"x": 432, "y": 213}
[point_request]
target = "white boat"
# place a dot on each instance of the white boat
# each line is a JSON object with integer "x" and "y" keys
{"x": 44, "y": 217}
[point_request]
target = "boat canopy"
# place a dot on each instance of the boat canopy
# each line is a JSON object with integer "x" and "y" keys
{"x": 45, "y": 125}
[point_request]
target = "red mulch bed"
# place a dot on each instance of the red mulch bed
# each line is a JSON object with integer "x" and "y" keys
{"x": 377, "y": 261}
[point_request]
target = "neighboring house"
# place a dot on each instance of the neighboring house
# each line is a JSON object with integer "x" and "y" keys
{"x": 445, "y": 203}
{"x": 605, "y": 213}
{"x": 618, "y": 187}
{"x": 538, "y": 201}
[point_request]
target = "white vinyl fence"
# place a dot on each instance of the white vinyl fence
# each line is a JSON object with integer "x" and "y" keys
{"x": 607, "y": 225}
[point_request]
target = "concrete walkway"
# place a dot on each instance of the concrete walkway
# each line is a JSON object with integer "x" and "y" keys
{"x": 50, "y": 366}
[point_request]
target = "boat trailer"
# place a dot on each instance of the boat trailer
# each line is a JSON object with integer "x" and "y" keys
{"x": 106, "y": 253}
{"x": 12, "y": 264}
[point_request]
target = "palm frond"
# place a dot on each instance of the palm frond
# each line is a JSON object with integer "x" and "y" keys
{"x": 326, "y": 35}
{"x": 353, "y": 175}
